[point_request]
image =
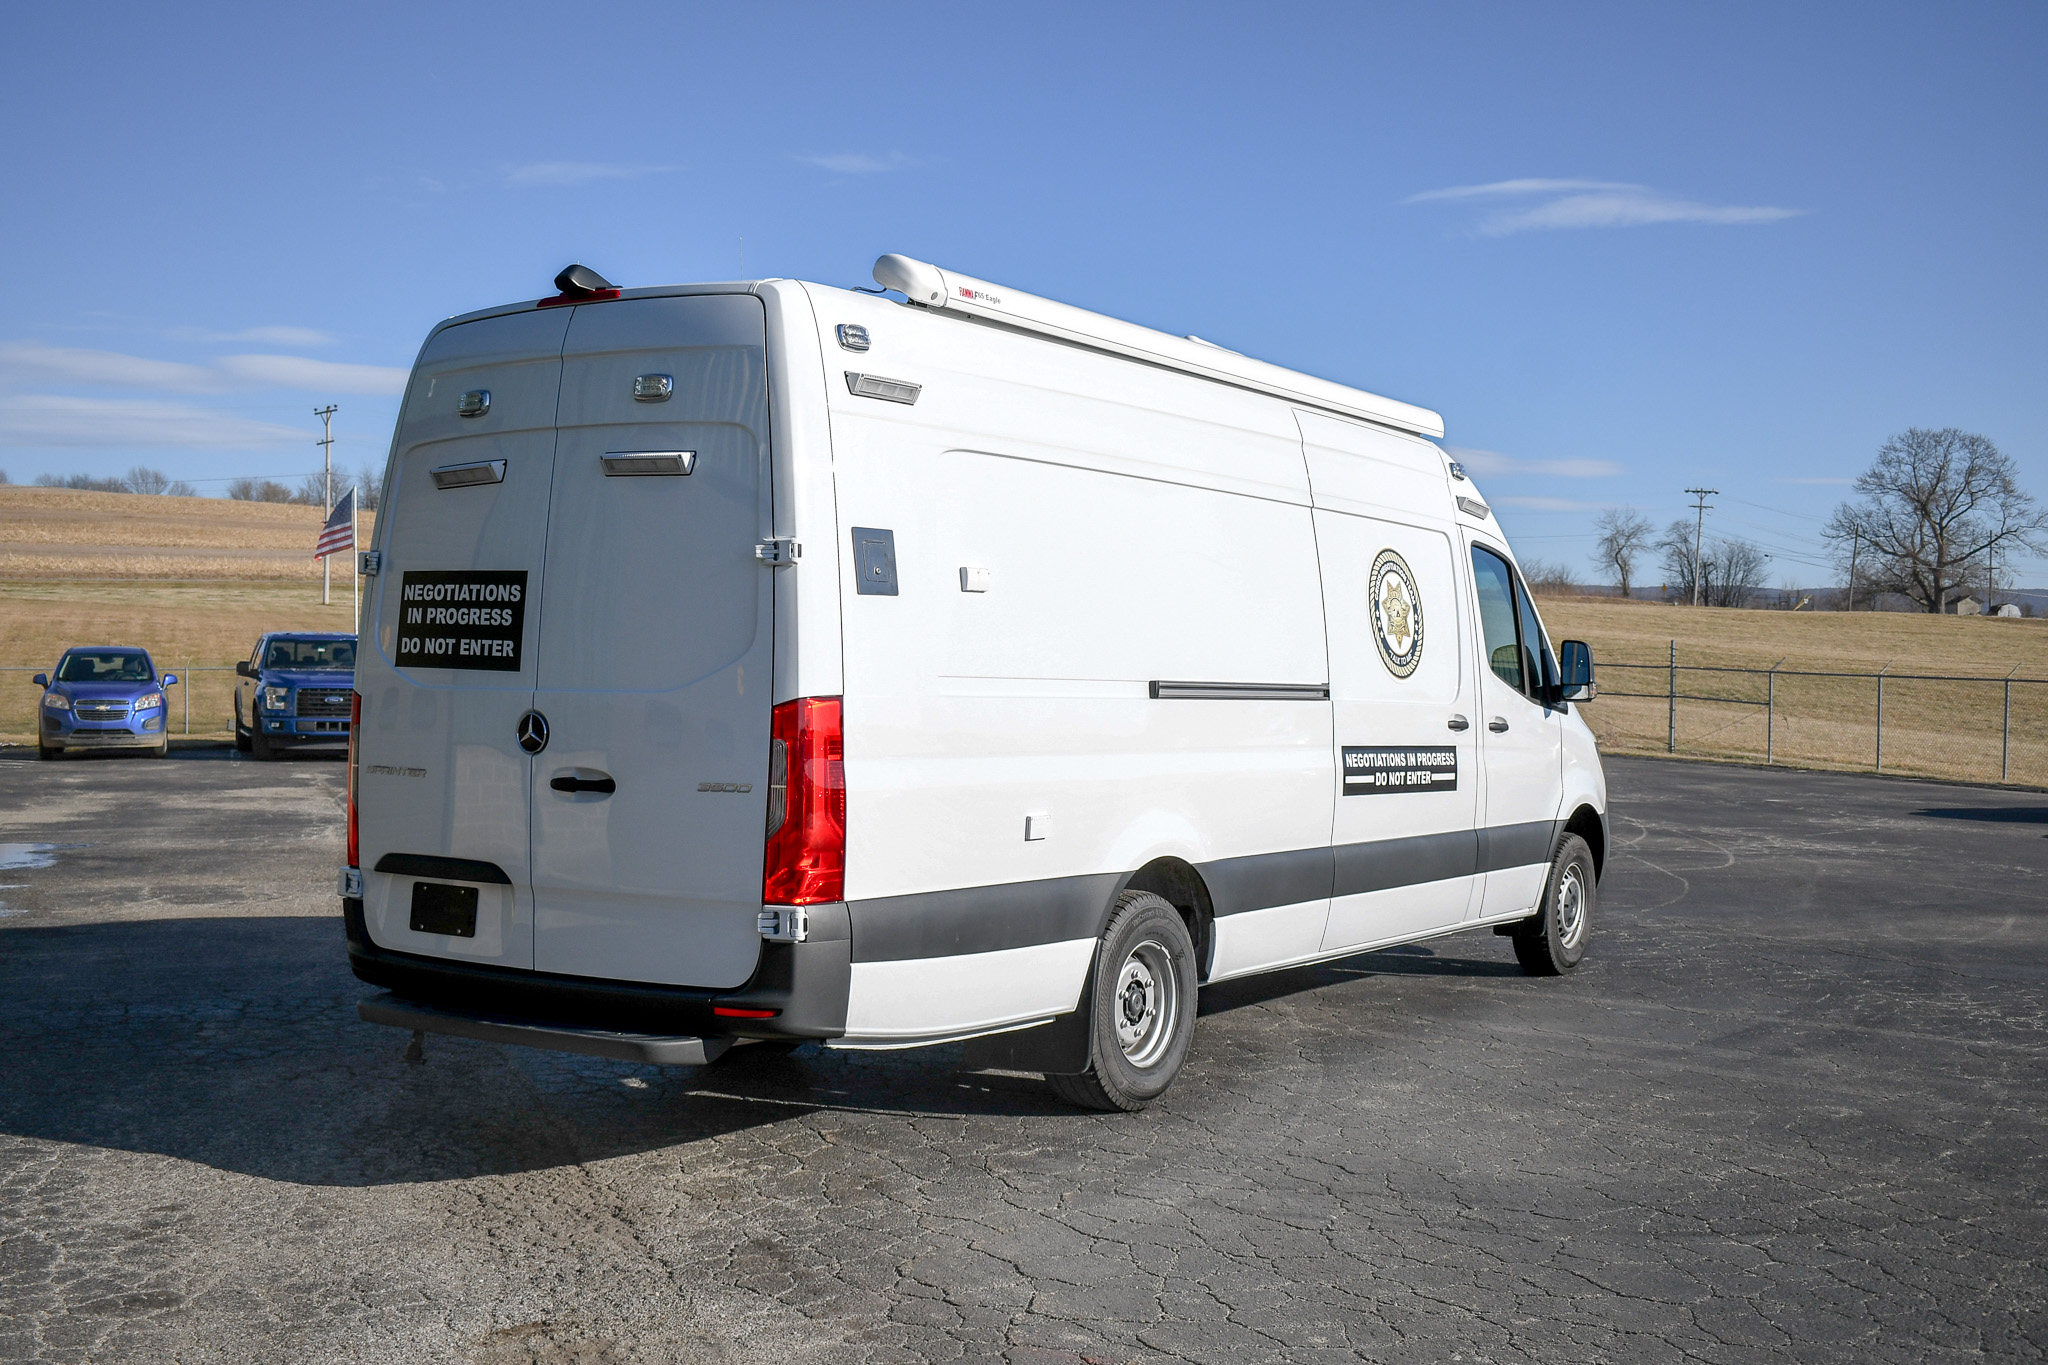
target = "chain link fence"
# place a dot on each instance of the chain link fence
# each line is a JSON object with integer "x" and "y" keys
{"x": 1977, "y": 729}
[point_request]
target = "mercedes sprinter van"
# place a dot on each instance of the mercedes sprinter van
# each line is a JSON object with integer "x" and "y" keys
{"x": 768, "y": 662}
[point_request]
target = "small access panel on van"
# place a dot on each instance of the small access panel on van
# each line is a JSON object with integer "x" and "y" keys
{"x": 874, "y": 559}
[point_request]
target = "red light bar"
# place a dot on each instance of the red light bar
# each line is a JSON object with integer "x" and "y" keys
{"x": 730, "y": 1012}
{"x": 594, "y": 296}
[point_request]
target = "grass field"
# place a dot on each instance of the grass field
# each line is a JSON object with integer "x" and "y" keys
{"x": 1941, "y": 729}
{"x": 196, "y": 580}
{"x": 192, "y": 580}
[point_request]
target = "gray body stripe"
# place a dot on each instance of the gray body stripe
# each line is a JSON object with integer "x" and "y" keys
{"x": 986, "y": 919}
{"x": 981, "y": 919}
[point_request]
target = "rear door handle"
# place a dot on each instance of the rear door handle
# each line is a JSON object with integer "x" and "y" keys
{"x": 1460, "y": 723}
{"x": 1498, "y": 725}
{"x": 604, "y": 786}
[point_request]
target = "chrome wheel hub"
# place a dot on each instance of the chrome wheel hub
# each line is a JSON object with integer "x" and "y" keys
{"x": 1571, "y": 907}
{"x": 1146, "y": 1003}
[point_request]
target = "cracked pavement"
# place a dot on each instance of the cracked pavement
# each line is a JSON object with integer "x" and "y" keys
{"x": 1792, "y": 1109}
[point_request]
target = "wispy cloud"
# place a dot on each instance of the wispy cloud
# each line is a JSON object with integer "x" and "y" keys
{"x": 1492, "y": 464}
{"x": 44, "y": 420}
{"x": 1535, "y": 204}
{"x": 858, "y": 163}
{"x": 303, "y": 337}
{"x": 555, "y": 173}
{"x": 33, "y": 361}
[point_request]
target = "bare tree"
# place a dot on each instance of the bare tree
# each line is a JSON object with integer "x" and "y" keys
{"x": 259, "y": 490}
{"x": 180, "y": 489}
{"x": 84, "y": 482}
{"x": 1547, "y": 579}
{"x": 143, "y": 479}
{"x": 1729, "y": 573}
{"x": 1624, "y": 537}
{"x": 369, "y": 489}
{"x": 1936, "y": 505}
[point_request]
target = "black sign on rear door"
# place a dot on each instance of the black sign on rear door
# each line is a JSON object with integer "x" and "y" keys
{"x": 462, "y": 618}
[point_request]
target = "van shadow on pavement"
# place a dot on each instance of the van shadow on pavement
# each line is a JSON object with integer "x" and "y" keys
{"x": 234, "y": 1042}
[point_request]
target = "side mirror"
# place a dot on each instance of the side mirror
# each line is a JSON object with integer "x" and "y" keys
{"x": 242, "y": 669}
{"x": 170, "y": 680}
{"x": 1575, "y": 672}
{"x": 41, "y": 680}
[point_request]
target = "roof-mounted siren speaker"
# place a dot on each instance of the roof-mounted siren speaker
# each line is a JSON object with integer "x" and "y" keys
{"x": 916, "y": 281}
{"x": 580, "y": 284}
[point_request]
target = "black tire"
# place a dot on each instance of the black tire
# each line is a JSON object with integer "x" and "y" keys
{"x": 163, "y": 748}
{"x": 48, "y": 753}
{"x": 242, "y": 740}
{"x": 1141, "y": 994}
{"x": 1553, "y": 941}
{"x": 260, "y": 747}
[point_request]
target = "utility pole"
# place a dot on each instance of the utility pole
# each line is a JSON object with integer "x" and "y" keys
{"x": 1699, "y": 530}
{"x": 326, "y": 443}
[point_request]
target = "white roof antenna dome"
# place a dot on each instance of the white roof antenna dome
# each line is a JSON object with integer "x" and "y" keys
{"x": 916, "y": 281}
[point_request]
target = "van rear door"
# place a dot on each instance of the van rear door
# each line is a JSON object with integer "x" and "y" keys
{"x": 450, "y": 669}
{"x": 650, "y": 800}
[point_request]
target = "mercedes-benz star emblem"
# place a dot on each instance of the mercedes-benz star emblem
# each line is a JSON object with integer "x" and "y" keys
{"x": 533, "y": 732}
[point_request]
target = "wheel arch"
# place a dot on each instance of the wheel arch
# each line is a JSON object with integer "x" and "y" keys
{"x": 1175, "y": 881}
{"x": 1590, "y": 825}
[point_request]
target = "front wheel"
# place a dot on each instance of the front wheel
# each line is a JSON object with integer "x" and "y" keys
{"x": 260, "y": 747}
{"x": 1553, "y": 941}
{"x": 49, "y": 753}
{"x": 1142, "y": 1006}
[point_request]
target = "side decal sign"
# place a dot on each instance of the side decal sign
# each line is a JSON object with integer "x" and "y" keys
{"x": 462, "y": 618}
{"x": 1380, "y": 770}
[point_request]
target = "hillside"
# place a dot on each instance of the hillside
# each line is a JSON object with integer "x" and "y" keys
{"x": 61, "y": 533}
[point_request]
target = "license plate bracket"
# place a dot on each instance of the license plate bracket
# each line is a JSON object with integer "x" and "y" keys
{"x": 438, "y": 908}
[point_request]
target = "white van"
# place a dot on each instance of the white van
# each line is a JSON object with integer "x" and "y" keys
{"x": 771, "y": 662}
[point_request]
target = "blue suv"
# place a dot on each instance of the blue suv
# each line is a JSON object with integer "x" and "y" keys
{"x": 295, "y": 692}
{"x": 103, "y": 697}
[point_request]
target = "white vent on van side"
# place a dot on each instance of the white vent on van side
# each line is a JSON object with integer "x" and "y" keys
{"x": 469, "y": 475}
{"x": 630, "y": 464}
{"x": 889, "y": 390}
{"x": 1472, "y": 507}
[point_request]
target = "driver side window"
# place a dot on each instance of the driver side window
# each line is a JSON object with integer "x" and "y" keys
{"x": 1515, "y": 648}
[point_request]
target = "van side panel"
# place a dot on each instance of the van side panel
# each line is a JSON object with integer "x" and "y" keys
{"x": 1133, "y": 527}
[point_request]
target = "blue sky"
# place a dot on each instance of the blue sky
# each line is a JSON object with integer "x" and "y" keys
{"x": 1623, "y": 249}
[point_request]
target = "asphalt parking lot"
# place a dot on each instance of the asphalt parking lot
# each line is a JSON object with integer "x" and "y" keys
{"x": 1793, "y": 1108}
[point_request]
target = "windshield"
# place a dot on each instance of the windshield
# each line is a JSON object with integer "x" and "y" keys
{"x": 104, "y": 665}
{"x": 310, "y": 654}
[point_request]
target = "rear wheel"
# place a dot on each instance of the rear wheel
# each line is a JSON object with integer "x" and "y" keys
{"x": 1553, "y": 941}
{"x": 1142, "y": 1003}
{"x": 242, "y": 739}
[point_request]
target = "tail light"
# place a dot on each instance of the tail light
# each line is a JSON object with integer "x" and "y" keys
{"x": 806, "y": 857}
{"x": 355, "y": 723}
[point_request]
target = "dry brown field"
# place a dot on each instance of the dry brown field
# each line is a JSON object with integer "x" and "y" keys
{"x": 1936, "y": 729}
{"x": 192, "y": 580}
{"x": 196, "y": 580}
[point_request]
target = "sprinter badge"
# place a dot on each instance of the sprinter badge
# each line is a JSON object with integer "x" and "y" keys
{"x": 1396, "y": 613}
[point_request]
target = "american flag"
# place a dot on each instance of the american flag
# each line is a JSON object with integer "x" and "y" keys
{"x": 340, "y": 531}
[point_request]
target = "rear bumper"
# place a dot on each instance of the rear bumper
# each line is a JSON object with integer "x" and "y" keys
{"x": 806, "y": 983}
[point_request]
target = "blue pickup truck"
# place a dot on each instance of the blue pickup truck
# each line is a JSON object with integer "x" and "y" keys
{"x": 103, "y": 697}
{"x": 294, "y": 692}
